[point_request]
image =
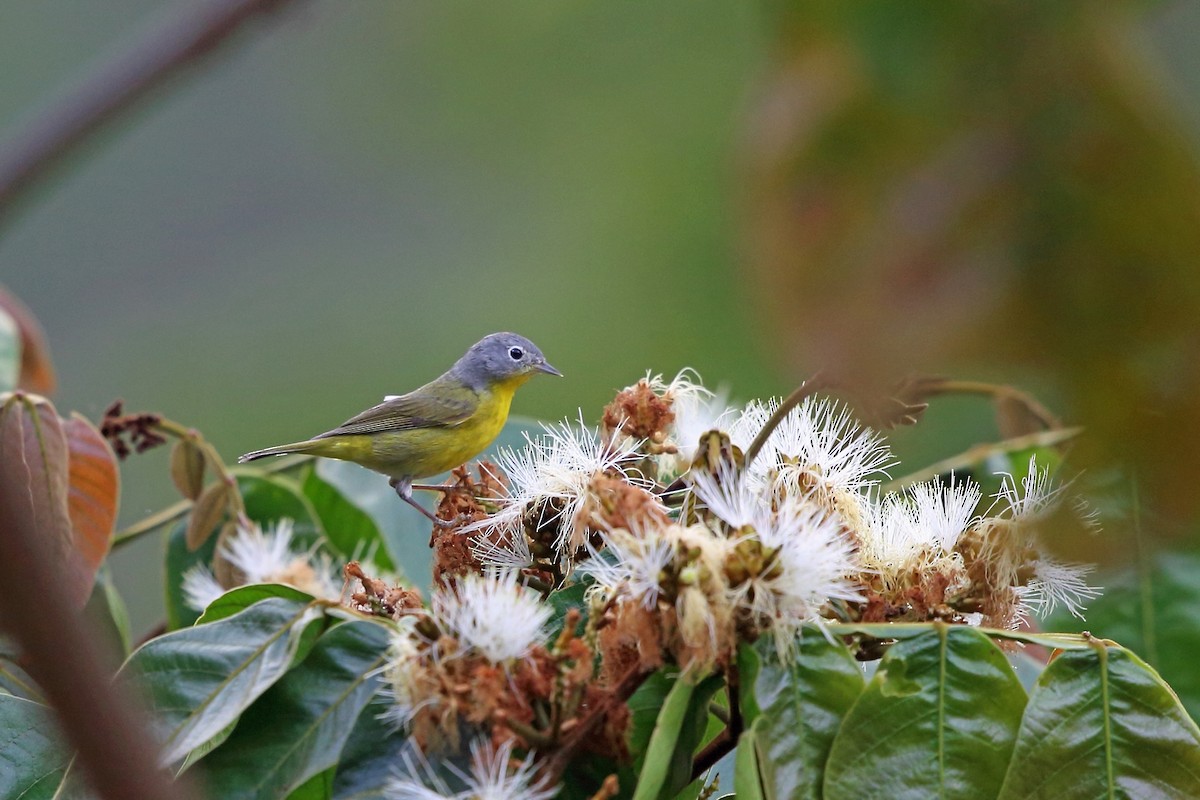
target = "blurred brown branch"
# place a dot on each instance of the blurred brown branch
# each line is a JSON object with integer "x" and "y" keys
{"x": 35, "y": 149}
{"x": 114, "y": 746}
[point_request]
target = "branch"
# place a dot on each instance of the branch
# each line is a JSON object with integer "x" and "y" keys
{"x": 114, "y": 745}
{"x": 116, "y": 87}
{"x": 810, "y": 387}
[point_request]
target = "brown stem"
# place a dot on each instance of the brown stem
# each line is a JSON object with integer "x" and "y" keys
{"x": 110, "y": 91}
{"x": 727, "y": 739}
{"x": 211, "y": 457}
{"x": 114, "y": 746}
{"x": 811, "y": 386}
{"x": 173, "y": 512}
{"x": 934, "y": 386}
{"x": 556, "y": 765}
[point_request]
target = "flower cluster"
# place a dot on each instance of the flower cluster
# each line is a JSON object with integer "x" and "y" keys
{"x": 693, "y": 526}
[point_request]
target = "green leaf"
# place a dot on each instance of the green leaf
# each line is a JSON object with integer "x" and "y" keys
{"x": 644, "y": 705}
{"x": 564, "y": 600}
{"x": 268, "y": 499}
{"x": 680, "y": 725}
{"x": 297, "y": 729}
{"x": 243, "y": 597}
{"x": 350, "y": 530}
{"x": 1102, "y": 723}
{"x": 404, "y": 531}
{"x": 15, "y": 681}
{"x": 10, "y": 352}
{"x": 107, "y": 615}
{"x": 746, "y": 782}
{"x": 1151, "y": 611}
{"x": 939, "y": 719}
{"x": 201, "y": 679}
{"x": 179, "y": 559}
{"x": 318, "y": 787}
{"x": 32, "y": 757}
{"x": 271, "y": 498}
{"x": 370, "y": 756}
{"x": 801, "y": 707}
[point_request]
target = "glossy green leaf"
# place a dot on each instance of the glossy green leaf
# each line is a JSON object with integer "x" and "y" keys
{"x": 32, "y": 757}
{"x": 370, "y": 756}
{"x": 644, "y": 705}
{"x": 350, "y": 530}
{"x": 15, "y": 681}
{"x": 318, "y": 787}
{"x": 677, "y": 732}
{"x": 10, "y": 352}
{"x": 297, "y": 729}
{"x": 800, "y": 708}
{"x": 939, "y": 719}
{"x": 201, "y": 679}
{"x": 1102, "y": 723}
{"x": 268, "y": 498}
{"x": 1151, "y": 610}
{"x": 271, "y": 498}
{"x": 243, "y": 597}
{"x": 746, "y": 782}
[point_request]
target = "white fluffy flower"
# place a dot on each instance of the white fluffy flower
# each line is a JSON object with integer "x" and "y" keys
{"x": 402, "y": 673}
{"x": 730, "y": 496}
{"x": 907, "y": 529}
{"x": 818, "y": 442}
{"x": 492, "y": 776}
{"x": 262, "y": 557}
{"x": 554, "y": 471}
{"x": 507, "y": 552}
{"x": 810, "y": 564}
{"x": 697, "y": 410}
{"x": 1055, "y": 582}
{"x": 1036, "y": 495}
{"x": 200, "y": 588}
{"x": 493, "y": 615}
{"x": 633, "y": 563}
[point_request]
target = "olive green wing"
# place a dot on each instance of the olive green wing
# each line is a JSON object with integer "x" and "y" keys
{"x": 419, "y": 409}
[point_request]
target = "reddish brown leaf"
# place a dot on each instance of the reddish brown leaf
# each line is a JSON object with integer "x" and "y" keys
{"x": 207, "y": 514}
{"x": 37, "y": 373}
{"x": 94, "y": 492}
{"x": 34, "y": 457}
{"x": 187, "y": 469}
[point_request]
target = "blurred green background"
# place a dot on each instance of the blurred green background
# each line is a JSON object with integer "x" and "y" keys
{"x": 341, "y": 202}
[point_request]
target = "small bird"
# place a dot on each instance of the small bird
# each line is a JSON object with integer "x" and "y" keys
{"x": 436, "y": 427}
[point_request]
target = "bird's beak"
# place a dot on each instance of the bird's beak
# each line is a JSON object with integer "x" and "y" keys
{"x": 546, "y": 368}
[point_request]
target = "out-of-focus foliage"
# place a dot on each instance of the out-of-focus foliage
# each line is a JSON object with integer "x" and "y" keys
{"x": 1009, "y": 188}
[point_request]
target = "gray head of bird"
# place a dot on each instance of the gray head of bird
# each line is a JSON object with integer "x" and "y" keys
{"x": 500, "y": 358}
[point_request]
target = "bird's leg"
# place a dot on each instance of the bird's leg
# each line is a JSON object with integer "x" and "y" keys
{"x": 432, "y": 487}
{"x": 403, "y": 487}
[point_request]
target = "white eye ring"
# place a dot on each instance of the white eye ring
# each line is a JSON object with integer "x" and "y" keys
{"x": 516, "y": 353}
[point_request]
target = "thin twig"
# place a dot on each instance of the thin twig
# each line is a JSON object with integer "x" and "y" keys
{"x": 33, "y": 151}
{"x": 177, "y": 510}
{"x": 554, "y": 766}
{"x": 811, "y": 386}
{"x": 727, "y": 739}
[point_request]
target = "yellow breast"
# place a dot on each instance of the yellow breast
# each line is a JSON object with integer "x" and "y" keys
{"x": 424, "y": 452}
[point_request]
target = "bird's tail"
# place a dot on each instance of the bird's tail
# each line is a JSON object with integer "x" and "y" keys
{"x": 280, "y": 450}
